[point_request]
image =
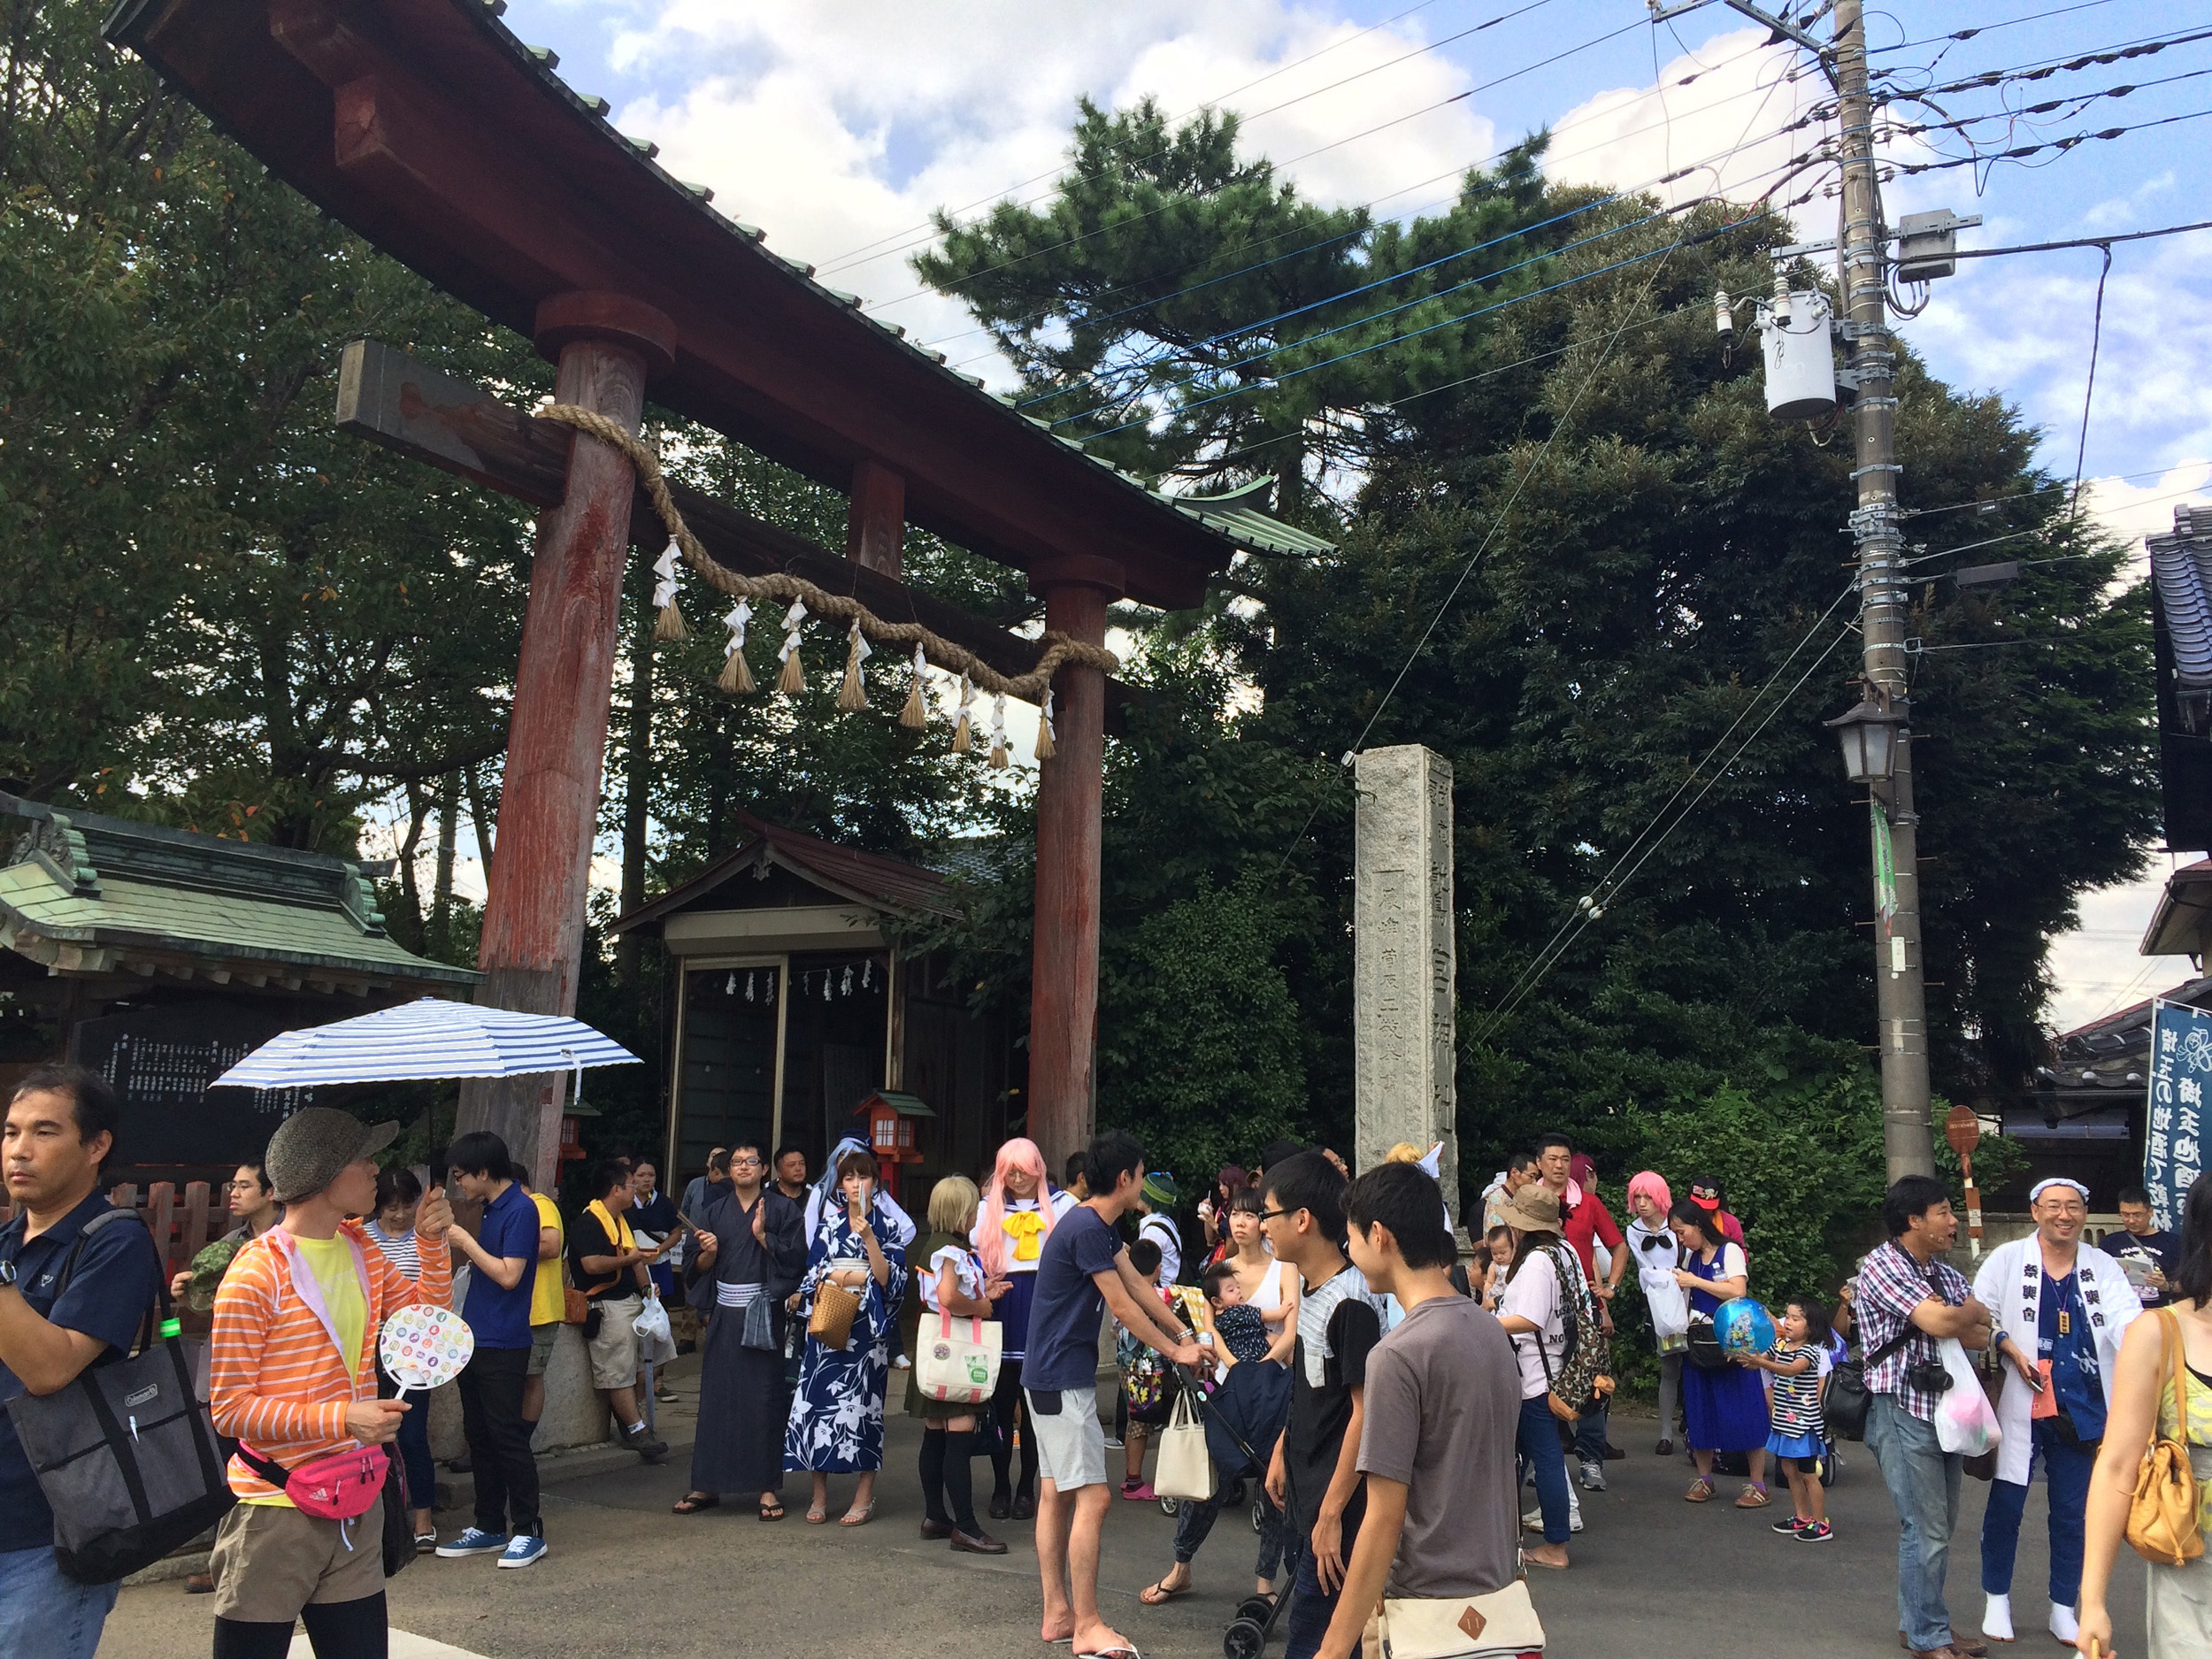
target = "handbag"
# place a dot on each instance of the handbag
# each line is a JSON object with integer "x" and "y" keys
{"x": 1704, "y": 1347}
{"x": 835, "y": 1308}
{"x": 1498, "y": 1626}
{"x": 1847, "y": 1400}
{"x": 1186, "y": 1468}
{"x": 575, "y": 1306}
{"x": 126, "y": 1454}
{"x": 399, "y": 1524}
{"x": 959, "y": 1367}
{"x": 2162, "y": 1514}
{"x": 760, "y": 1326}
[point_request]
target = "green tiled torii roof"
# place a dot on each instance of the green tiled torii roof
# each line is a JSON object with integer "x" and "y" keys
{"x": 107, "y": 890}
{"x": 1241, "y": 515}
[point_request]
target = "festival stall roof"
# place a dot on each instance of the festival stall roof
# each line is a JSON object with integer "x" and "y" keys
{"x": 95, "y": 897}
{"x": 434, "y": 131}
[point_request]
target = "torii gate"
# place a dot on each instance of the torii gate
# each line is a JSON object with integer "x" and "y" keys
{"x": 429, "y": 129}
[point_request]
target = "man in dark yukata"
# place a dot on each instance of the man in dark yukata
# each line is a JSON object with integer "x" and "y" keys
{"x": 751, "y": 1256}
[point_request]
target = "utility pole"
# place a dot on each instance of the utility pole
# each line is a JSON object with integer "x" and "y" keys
{"x": 1901, "y": 990}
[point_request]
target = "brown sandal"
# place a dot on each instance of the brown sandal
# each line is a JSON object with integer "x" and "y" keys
{"x": 692, "y": 1502}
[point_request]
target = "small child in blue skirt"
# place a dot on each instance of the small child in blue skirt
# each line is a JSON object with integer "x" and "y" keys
{"x": 1798, "y": 1438}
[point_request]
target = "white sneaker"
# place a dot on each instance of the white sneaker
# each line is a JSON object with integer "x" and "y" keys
{"x": 1593, "y": 1476}
{"x": 1535, "y": 1519}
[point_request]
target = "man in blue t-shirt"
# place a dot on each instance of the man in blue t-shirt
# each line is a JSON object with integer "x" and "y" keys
{"x": 60, "y": 1125}
{"x": 504, "y": 1254}
{"x": 1083, "y": 1271}
{"x": 2148, "y": 1255}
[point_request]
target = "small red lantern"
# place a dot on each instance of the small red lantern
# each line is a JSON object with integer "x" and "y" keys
{"x": 893, "y": 1120}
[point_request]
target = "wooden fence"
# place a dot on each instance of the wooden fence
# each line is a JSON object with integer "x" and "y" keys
{"x": 180, "y": 1227}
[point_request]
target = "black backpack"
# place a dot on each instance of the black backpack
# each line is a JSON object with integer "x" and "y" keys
{"x": 126, "y": 1454}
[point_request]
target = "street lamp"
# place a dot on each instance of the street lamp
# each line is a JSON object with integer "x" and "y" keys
{"x": 1870, "y": 739}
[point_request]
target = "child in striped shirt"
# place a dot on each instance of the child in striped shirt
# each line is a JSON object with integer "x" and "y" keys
{"x": 1798, "y": 1440}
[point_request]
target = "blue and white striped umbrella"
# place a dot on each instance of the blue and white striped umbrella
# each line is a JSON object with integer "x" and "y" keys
{"x": 432, "y": 1038}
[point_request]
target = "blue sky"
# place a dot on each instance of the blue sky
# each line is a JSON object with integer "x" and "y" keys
{"x": 839, "y": 128}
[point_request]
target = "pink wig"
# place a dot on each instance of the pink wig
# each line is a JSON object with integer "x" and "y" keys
{"x": 1652, "y": 1186}
{"x": 1020, "y": 1153}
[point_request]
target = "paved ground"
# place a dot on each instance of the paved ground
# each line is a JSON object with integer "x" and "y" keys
{"x": 1652, "y": 1578}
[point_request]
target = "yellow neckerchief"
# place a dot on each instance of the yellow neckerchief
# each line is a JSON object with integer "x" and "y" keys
{"x": 618, "y": 1234}
{"x": 1024, "y": 1227}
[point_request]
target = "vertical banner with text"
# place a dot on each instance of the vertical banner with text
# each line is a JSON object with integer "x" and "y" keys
{"x": 2181, "y": 1069}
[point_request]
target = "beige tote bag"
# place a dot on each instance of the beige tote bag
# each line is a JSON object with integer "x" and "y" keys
{"x": 1500, "y": 1626}
{"x": 1184, "y": 1469}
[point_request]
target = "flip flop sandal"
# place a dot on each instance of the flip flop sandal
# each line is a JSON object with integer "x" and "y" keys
{"x": 772, "y": 1511}
{"x": 1701, "y": 1492}
{"x": 692, "y": 1502}
{"x": 1156, "y": 1594}
{"x": 1120, "y": 1650}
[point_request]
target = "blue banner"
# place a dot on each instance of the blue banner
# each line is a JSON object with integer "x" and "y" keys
{"x": 2181, "y": 1070}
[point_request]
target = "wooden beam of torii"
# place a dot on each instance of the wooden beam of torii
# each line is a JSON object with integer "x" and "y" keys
{"x": 388, "y": 397}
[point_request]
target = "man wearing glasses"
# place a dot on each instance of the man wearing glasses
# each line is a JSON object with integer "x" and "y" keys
{"x": 750, "y": 1255}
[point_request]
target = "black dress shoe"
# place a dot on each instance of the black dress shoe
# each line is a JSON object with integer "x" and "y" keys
{"x": 934, "y": 1530}
{"x": 1613, "y": 1454}
{"x": 977, "y": 1544}
{"x": 1002, "y": 1505}
{"x": 1025, "y": 1508}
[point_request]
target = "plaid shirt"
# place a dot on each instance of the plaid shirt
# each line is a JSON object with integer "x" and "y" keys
{"x": 1891, "y": 1284}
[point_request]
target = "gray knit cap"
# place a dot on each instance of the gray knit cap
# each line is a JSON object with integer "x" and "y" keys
{"x": 313, "y": 1145}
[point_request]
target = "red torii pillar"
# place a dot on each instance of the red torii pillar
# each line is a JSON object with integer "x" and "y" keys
{"x": 1064, "y": 970}
{"x": 606, "y": 345}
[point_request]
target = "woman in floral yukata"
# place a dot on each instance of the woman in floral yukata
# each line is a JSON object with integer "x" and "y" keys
{"x": 836, "y": 1427}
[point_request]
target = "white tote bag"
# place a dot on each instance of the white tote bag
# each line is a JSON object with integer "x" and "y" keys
{"x": 1184, "y": 1469}
{"x": 1492, "y": 1627}
{"x": 958, "y": 1361}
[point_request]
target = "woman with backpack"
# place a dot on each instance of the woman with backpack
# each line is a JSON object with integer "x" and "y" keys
{"x": 1543, "y": 1287}
{"x": 1724, "y": 1405}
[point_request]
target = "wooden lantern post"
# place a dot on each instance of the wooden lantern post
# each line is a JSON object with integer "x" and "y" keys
{"x": 1963, "y": 1130}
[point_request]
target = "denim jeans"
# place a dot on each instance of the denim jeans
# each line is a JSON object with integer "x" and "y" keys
{"x": 1590, "y": 1436}
{"x": 2066, "y": 1471}
{"x": 1538, "y": 1442}
{"x": 43, "y": 1613}
{"x": 1195, "y": 1520}
{"x": 1306, "y": 1621}
{"x": 1923, "y": 1484}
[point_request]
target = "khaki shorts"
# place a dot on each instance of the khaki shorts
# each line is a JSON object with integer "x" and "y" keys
{"x": 1071, "y": 1444}
{"x": 270, "y": 1560}
{"x": 614, "y": 1350}
{"x": 541, "y": 1339}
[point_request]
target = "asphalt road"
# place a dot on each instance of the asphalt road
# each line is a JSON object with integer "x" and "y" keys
{"x": 1652, "y": 1578}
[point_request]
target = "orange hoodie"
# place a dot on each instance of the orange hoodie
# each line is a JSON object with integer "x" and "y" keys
{"x": 276, "y": 1379}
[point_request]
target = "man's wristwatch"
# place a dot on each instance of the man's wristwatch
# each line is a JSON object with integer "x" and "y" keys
{"x": 7, "y": 1273}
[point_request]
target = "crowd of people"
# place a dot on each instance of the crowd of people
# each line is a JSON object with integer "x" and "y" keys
{"x": 1390, "y": 1401}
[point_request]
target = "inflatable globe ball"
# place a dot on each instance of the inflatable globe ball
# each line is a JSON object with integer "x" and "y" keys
{"x": 1743, "y": 1327}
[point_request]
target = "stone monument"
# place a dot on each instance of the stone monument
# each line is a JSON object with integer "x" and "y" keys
{"x": 1405, "y": 966}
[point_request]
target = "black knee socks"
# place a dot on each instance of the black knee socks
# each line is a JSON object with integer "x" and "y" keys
{"x": 934, "y": 1471}
{"x": 959, "y": 1484}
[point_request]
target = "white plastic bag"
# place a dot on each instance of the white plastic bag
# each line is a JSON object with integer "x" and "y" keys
{"x": 1670, "y": 1307}
{"x": 1965, "y": 1421}
{"x": 655, "y": 1342}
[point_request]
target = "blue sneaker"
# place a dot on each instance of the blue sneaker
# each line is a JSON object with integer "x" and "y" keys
{"x": 474, "y": 1541}
{"x": 522, "y": 1550}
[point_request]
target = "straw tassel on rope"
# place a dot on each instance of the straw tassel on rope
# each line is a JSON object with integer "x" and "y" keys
{"x": 792, "y": 680}
{"x": 853, "y": 695}
{"x": 1045, "y": 748}
{"x": 737, "y": 673}
{"x": 998, "y": 732}
{"x": 670, "y": 625}
{"x": 962, "y": 739}
{"x": 915, "y": 715}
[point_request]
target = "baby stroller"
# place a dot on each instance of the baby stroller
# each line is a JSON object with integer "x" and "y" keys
{"x": 1243, "y": 1415}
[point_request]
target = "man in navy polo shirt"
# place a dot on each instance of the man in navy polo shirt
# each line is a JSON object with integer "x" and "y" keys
{"x": 505, "y": 1256}
{"x": 60, "y": 1125}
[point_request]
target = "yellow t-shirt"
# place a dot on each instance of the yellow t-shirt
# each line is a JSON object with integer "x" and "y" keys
{"x": 548, "y": 1306}
{"x": 332, "y": 1262}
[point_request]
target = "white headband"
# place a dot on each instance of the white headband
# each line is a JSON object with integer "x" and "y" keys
{"x": 2040, "y": 1187}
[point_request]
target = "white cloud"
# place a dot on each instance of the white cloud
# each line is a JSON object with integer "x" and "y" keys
{"x": 2096, "y": 970}
{"x": 841, "y": 129}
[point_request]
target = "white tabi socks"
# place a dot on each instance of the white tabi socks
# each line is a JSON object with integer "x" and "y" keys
{"x": 2064, "y": 1625}
{"x": 1997, "y": 1619}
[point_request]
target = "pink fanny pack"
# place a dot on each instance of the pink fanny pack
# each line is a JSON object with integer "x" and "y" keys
{"x": 338, "y": 1488}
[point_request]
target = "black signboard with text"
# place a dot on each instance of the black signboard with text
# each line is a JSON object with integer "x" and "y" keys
{"x": 161, "y": 1061}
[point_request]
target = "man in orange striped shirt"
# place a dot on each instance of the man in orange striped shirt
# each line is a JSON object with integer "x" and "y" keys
{"x": 294, "y": 1376}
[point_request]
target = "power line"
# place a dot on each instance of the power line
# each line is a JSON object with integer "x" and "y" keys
{"x": 1767, "y": 93}
{"x": 1987, "y": 29}
{"x": 1396, "y": 121}
{"x": 2061, "y": 145}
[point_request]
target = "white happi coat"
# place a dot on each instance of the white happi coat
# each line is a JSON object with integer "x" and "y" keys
{"x": 2010, "y": 1285}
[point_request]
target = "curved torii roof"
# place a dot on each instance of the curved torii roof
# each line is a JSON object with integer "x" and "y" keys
{"x": 429, "y": 129}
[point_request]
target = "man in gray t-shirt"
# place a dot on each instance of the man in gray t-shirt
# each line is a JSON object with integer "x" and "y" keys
{"x": 1443, "y": 1406}
{"x": 1442, "y": 1409}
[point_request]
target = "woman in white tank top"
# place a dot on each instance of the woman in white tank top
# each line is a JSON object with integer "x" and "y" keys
{"x": 1265, "y": 1285}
